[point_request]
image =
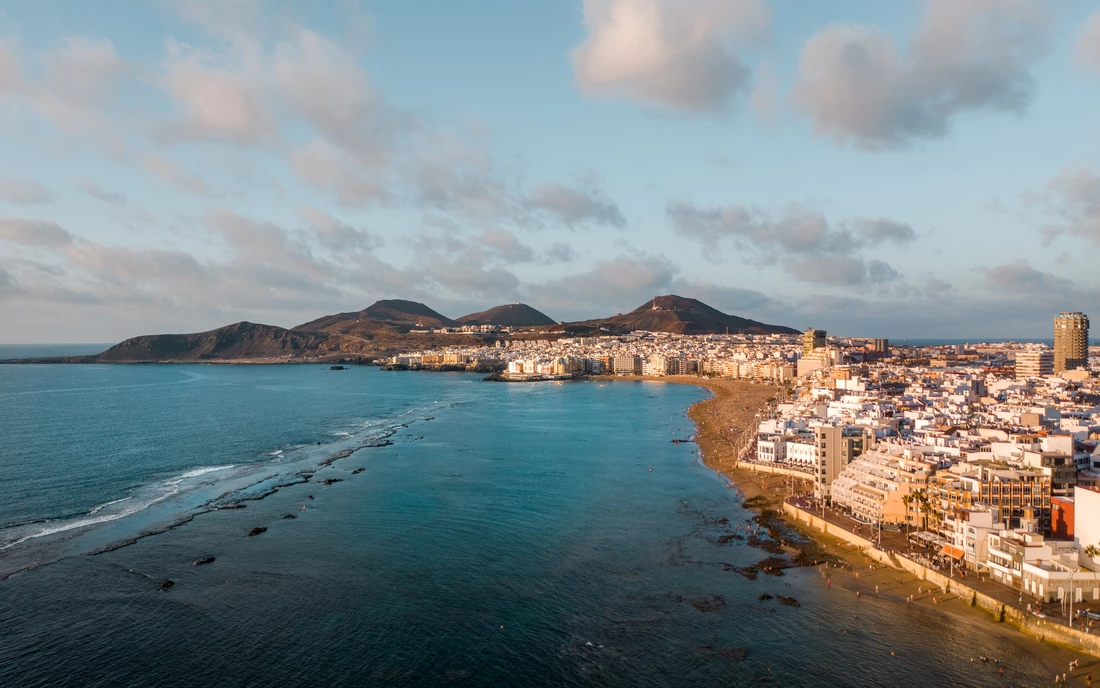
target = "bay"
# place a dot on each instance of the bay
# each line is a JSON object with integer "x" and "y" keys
{"x": 511, "y": 534}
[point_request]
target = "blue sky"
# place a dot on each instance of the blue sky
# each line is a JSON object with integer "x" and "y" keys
{"x": 928, "y": 168}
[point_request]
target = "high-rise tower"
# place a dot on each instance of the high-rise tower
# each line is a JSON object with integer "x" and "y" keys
{"x": 1071, "y": 341}
{"x": 812, "y": 339}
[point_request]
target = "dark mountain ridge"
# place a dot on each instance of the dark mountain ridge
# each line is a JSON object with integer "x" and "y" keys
{"x": 389, "y": 326}
{"x": 680, "y": 315}
{"x": 237, "y": 341}
{"x": 509, "y": 315}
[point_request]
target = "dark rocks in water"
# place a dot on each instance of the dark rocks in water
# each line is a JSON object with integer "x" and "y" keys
{"x": 232, "y": 505}
{"x": 709, "y": 603}
{"x": 311, "y": 496}
{"x": 329, "y": 481}
{"x": 204, "y": 560}
{"x": 738, "y": 653}
{"x": 167, "y": 583}
{"x": 337, "y": 367}
{"x": 380, "y": 443}
{"x": 677, "y": 440}
{"x": 256, "y": 531}
{"x": 289, "y": 516}
{"x": 757, "y": 502}
{"x": 429, "y": 418}
{"x": 765, "y": 544}
{"x": 763, "y": 596}
{"x": 789, "y": 601}
{"x": 725, "y": 539}
{"x": 722, "y": 521}
{"x": 357, "y": 471}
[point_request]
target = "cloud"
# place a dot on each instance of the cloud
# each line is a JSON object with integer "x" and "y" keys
{"x": 33, "y": 232}
{"x": 1073, "y": 198}
{"x": 25, "y": 192}
{"x": 327, "y": 168}
{"x": 673, "y": 54}
{"x": 1087, "y": 49}
{"x": 573, "y": 206}
{"x": 8, "y": 285}
{"x": 618, "y": 284}
{"x": 325, "y": 85}
{"x": 97, "y": 191}
{"x": 174, "y": 176}
{"x": 220, "y": 99}
{"x": 1021, "y": 278}
{"x": 729, "y": 299}
{"x": 71, "y": 83}
{"x": 965, "y": 56}
{"x": 559, "y": 252}
{"x": 841, "y": 270}
{"x": 506, "y": 245}
{"x": 883, "y": 231}
{"x": 336, "y": 235}
{"x": 802, "y": 241}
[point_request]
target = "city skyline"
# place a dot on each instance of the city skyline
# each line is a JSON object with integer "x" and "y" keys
{"x": 926, "y": 169}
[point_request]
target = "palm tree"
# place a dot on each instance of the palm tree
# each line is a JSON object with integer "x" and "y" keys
{"x": 907, "y": 500}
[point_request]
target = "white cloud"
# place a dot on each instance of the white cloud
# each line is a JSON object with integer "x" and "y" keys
{"x": 33, "y": 232}
{"x": 221, "y": 99}
{"x": 802, "y": 241}
{"x": 25, "y": 192}
{"x": 1087, "y": 49}
{"x": 965, "y": 56}
{"x": 676, "y": 54}
{"x": 573, "y": 206}
{"x": 1073, "y": 199}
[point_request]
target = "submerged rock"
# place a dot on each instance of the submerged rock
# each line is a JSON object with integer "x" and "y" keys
{"x": 329, "y": 481}
{"x": 763, "y": 596}
{"x": 166, "y": 583}
{"x": 204, "y": 560}
{"x": 289, "y": 516}
{"x": 357, "y": 471}
{"x": 738, "y": 653}
{"x": 256, "y": 531}
{"x": 789, "y": 601}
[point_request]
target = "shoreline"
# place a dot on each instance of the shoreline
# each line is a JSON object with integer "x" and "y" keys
{"x": 740, "y": 401}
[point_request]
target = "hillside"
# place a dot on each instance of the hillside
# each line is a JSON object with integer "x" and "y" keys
{"x": 681, "y": 315}
{"x": 509, "y": 315}
{"x": 398, "y": 313}
{"x": 243, "y": 340}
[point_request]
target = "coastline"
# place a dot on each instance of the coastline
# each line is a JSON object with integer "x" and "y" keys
{"x": 735, "y": 404}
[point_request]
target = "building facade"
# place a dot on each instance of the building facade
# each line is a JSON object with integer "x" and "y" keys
{"x": 1071, "y": 341}
{"x": 1034, "y": 364}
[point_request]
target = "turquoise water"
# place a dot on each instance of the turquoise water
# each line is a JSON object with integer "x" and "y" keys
{"x": 498, "y": 534}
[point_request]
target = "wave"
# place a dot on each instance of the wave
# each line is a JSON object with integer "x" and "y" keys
{"x": 197, "y": 472}
{"x": 241, "y": 481}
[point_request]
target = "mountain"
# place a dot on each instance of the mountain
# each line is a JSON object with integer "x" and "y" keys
{"x": 397, "y": 313}
{"x": 680, "y": 315}
{"x": 384, "y": 329}
{"x": 509, "y": 315}
{"x": 243, "y": 340}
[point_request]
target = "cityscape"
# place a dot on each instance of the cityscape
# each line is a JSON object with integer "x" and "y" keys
{"x": 598, "y": 343}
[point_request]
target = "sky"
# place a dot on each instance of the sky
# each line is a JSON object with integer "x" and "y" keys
{"x": 911, "y": 169}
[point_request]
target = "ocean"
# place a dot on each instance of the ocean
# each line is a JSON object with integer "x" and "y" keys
{"x": 471, "y": 534}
